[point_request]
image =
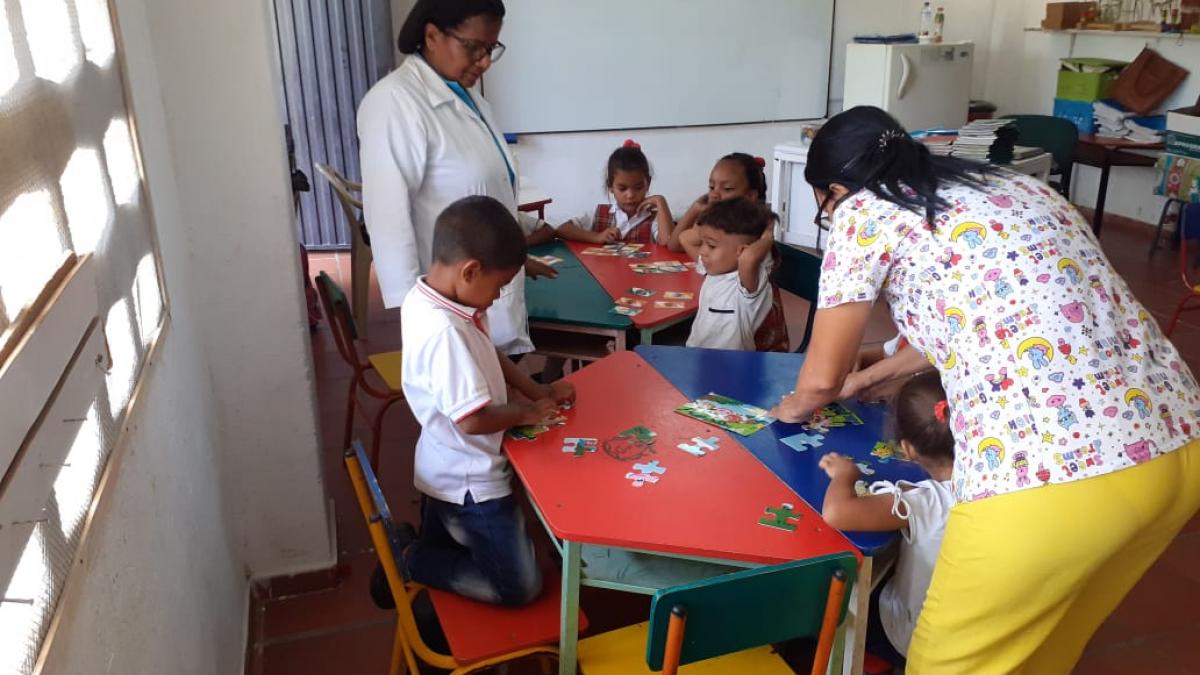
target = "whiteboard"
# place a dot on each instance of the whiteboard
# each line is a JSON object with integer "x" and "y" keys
{"x": 624, "y": 64}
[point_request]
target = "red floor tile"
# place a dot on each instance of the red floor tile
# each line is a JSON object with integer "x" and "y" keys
{"x": 361, "y": 648}
{"x": 325, "y": 611}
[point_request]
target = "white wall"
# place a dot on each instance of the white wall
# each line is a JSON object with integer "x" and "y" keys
{"x": 219, "y": 480}
{"x": 216, "y": 70}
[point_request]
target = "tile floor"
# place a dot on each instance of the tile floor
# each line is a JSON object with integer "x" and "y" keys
{"x": 324, "y": 623}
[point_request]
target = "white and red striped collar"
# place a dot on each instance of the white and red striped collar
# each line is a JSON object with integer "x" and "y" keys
{"x": 472, "y": 314}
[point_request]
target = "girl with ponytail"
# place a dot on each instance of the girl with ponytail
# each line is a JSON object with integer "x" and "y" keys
{"x": 629, "y": 215}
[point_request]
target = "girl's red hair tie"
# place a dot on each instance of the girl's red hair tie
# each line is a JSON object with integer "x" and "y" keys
{"x": 630, "y": 143}
{"x": 939, "y": 411}
{"x": 760, "y": 162}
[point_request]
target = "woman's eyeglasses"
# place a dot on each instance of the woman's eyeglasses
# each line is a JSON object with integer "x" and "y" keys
{"x": 476, "y": 50}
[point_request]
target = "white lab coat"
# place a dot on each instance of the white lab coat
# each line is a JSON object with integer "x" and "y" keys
{"x": 422, "y": 148}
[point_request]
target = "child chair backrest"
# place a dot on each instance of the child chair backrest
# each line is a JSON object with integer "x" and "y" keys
{"x": 1056, "y": 135}
{"x": 374, "y": 508}
{"x": 341, "y": 321}
{"x": 799, "y": 273}
{"x": 747, "y": 609}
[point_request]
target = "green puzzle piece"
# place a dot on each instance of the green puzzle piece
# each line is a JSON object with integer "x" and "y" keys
{"x": 640, "y": 433}
{"x": 779, "y": 517}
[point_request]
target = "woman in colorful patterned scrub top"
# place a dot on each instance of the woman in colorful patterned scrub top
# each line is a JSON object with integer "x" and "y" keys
{"x": 1075, "y": 420}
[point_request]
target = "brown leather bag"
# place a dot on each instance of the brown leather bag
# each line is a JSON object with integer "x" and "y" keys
{"x": 1147, "y": 82}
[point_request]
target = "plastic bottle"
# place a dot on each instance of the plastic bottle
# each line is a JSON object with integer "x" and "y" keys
{"x": 926, "y": 21}
{"x": 939, "y": 24}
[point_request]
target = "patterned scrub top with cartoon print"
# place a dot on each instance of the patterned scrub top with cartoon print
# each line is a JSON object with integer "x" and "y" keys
{"x": 1053, "y": 370}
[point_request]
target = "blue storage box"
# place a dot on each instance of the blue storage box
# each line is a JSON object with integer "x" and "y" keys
{"x": 1079, "y": 112}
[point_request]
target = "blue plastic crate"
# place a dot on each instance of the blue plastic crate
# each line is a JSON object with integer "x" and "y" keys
{"x": 1079, "y": 112}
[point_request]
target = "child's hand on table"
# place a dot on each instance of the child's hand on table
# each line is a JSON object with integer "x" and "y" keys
{"x": 606, "y": 237}
{"x": 839, "y": 467}
{"x": 539, "y": 411}
{"x": 559, "y": 391}
{"x": 536, "y": 268}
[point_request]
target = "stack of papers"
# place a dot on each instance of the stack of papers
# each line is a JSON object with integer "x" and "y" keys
{"x": 1113, "y": 121}
{"x": 986, "y": 141}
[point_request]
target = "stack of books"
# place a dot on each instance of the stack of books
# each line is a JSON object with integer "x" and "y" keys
{"x": 986, "y": 141}
{"x": 1113, "y": 121}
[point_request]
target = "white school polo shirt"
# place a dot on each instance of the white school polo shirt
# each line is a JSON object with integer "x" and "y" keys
{"x": 729, "y": 315}
{"x": 450, "y": 371}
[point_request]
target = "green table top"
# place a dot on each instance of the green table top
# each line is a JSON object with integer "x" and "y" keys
{"x": 574, "y": 297}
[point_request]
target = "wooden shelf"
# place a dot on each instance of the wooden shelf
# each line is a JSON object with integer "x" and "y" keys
{"x": 1122, "y": 33}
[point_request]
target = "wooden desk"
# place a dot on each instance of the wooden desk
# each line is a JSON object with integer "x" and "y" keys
{"x": 702, "y": 508}
{"x": 762, "y": 378}
{"x": 1105, "y": 153}
{"x": 616, "y": 277}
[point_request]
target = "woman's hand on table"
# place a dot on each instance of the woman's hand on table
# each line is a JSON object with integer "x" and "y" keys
{"x": 839, "y": 467}
{"x": 791, "y": 409}
{"x": 536, "y": 268}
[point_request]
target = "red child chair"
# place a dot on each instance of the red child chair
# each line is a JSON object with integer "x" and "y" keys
{"x": 1189, "y": 232}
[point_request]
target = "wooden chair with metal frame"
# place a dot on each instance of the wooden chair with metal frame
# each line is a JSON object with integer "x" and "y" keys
{"x": 385, "y": 365}
{"x": 1189, "y": 232}
{"x": 725, "y": 624}
{"x": 479, "y": 635}
{"x": 360, "y": 242}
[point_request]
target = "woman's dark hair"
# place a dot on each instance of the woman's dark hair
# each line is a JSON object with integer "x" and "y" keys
{"x": 921, "y": 416}
{"x": 865, "y": 147}
{"x": 628, "y": 157}
{"x": 446, "y": 15}
{"x": 753, "y": 167}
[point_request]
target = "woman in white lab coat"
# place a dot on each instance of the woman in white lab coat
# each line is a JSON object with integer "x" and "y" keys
{"x": 427, "y": 139}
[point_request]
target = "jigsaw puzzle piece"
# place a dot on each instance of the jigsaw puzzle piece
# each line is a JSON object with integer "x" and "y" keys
{"x": 779, "y": 516}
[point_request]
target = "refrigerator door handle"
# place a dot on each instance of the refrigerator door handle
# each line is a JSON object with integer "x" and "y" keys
{"x": 905, "y": 76}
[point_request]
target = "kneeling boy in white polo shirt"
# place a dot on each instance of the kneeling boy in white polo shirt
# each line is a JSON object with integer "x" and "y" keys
{"x": 473, "y": 539}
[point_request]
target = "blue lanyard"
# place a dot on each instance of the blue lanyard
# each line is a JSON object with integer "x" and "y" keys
{"x": 466, "y": 98}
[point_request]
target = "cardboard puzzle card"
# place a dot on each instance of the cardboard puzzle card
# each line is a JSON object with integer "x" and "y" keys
{"x": 633, "y": 443}
{"x": 678, "y": 295}
{"x": 669, "y": 304}
{"x": 550, "y": 260}
{"x": 730, "y": 414}
{"x": 630, "y": 302}
{"x": 803, "y": 442}
{"x": 580, "y": 446}
{"x": 626, "y": 311}
{"x": 641, "y": 292}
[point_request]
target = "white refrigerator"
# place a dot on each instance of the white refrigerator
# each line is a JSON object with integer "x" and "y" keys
{"x": 924, "y": 86}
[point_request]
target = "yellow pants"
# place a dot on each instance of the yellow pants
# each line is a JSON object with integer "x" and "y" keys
{"x": 1024, "y": 579}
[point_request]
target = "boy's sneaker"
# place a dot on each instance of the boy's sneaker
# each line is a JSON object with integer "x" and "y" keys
{"x": 401, "y": 535}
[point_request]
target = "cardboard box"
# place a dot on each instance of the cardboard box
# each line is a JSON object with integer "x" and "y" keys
{"x": 1065, "y": 15}
{"x": 1087, "y": 79}
{"x": 1184, "y": 120}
